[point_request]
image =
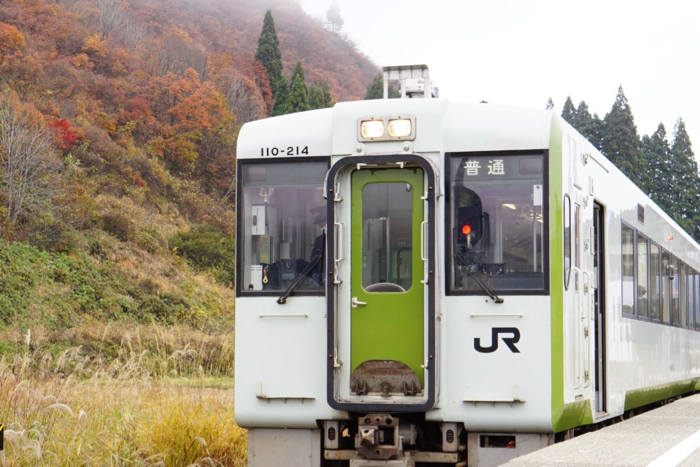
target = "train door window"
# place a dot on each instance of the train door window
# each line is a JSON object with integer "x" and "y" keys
{"x": 642, "y": 276}
{"x": 567, "y": 241}
{"x": 655, "y": 282}
{"x": 387, "y": 235}
{"x": 627, "y": 270}
{"x": 498, "y": 222}
{"x": 281, "y": 226}
{"x": 676, "y": 291}
{"x": 666, "y": 289}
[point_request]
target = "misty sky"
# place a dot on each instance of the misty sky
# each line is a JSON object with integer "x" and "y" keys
{"x": 522, "y": 52}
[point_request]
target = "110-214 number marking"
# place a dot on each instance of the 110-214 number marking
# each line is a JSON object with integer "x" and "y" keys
{"x": 288, "y": 151}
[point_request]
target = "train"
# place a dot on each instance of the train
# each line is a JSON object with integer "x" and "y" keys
{"x": 424, "y": 282}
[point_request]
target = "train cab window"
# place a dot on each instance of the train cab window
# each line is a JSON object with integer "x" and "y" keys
{"x": 281, "y": 224}
{"x": 655, "y": 282}
{"x": 642, "y": 277}
{"x": 627, "y": 270}
{"x": 497, "y": 222}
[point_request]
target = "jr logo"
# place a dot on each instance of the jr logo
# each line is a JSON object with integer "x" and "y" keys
{"x": 509, "y": 341}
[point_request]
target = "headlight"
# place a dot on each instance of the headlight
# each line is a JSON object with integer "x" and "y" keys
{"x": 389, "y": 128}
{"x": 400, "y": 128}
{"x": 372, "y": 129}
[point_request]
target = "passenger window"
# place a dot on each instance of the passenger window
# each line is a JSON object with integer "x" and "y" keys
{"x": 687, "y": 296}
{"x": 642, "y": 277}
{"x": 655, "y": 269}
{"x": 282, "y": 219}
{"x": 677, "y": 279}
{"x": 627, "y": 270}
{"x": 696, "y": 287}
{"x": 666, "y": 290}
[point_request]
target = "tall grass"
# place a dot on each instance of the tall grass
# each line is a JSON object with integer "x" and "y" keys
{"x": 152, "y": 404}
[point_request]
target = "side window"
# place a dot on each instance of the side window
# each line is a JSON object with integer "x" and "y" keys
{"x": 666, "y": 289}
{"x": 655, "y": 283}
{"x": 696, "y": 287}
{"x": 676, "y": 278}
{"x": 686, "y": 312}
{"x": 627, "y": 270}
{"x": 642, "y": 276}
{"x": 567, "y": 241}
{"x": 281, "y": 221}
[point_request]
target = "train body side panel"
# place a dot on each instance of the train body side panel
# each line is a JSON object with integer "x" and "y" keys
{"x": 492, "y": 381}
{"x": 280, "y": 360}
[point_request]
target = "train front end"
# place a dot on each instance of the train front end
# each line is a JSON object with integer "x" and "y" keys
{"x": 393, "y": 285}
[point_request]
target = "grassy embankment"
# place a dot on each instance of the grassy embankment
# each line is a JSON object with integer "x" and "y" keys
{"x": 108, "y": 357}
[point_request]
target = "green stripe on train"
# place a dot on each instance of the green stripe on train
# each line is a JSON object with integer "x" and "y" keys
{"x": 564, "y": 416}
{"x": 645, "y": 396}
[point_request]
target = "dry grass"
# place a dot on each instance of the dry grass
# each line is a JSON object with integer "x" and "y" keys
{"x": 137, "y": 409}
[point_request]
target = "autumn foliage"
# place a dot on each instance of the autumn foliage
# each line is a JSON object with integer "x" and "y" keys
{"x": 149, "y": 95}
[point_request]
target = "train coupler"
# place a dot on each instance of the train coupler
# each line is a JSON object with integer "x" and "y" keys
{"x": 378, "y": 437}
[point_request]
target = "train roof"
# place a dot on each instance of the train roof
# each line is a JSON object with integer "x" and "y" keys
{"x": 441, "y": 126}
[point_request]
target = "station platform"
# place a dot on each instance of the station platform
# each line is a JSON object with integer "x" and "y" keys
{"x": 664, "y": 437}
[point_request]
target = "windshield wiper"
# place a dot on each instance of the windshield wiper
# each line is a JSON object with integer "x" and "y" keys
{"x": 480, "y": 283}
{"x": 305, "y": 274}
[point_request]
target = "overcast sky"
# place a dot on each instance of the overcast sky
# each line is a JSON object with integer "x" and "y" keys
{"x": 522, "y": 52}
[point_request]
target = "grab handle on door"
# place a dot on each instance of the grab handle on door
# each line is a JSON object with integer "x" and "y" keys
{"x": 424, "y": 248}
{"x": 356, "y": 303}
{"x": 339, "y": 241}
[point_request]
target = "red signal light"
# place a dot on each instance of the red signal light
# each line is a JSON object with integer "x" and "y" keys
{"x": 466, "y": 230}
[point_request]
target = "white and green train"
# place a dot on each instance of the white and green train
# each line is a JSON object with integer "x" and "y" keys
{"x": 425, "y": 282}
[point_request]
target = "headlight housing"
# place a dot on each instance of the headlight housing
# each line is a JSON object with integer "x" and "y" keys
{"x": 398, "y": 128}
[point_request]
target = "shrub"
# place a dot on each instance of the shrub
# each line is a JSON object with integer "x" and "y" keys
{"x": 209, "y": 249}
{"x": 119, "y": 225}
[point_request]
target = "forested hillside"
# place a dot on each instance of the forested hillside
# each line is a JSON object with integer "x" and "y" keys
{"x": 118, "y": 124}
{"x": 118, "y": 129}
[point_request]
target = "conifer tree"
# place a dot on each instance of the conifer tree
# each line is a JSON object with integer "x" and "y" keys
{"x": 334, "y": 18}
{"x": 550, "y": 104}
{"x": 590, "y": 127}
{"x": 315, "y": 97}
{"x": 581, "y": 118}
{"x": 327, "y": 98}
{"x": 298, "y": 100}
{"x": 375, "y": 90}
{"x": 620, "y": 143}
{"x": 281, "y": 106}
{"x": 568, "y": 113}
{"x": 686, "y": 208}
{"x": 658, "y": 156}
{"x": 268, "y": 52}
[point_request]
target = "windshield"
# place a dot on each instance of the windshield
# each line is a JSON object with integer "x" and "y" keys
{"x": 282, "y": 222}
{"x": 497, "y": 220}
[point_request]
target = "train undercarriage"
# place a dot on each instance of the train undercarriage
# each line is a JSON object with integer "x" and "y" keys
{"x": 388, "y": 440}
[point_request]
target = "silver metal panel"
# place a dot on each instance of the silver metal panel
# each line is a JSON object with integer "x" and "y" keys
{"x": 291, "y": 448}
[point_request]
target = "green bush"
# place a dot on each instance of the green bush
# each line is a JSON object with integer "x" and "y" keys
{"x": 207, "y": 249}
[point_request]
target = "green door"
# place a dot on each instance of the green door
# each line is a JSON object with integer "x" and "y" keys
{"x": 387, "y": 294}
